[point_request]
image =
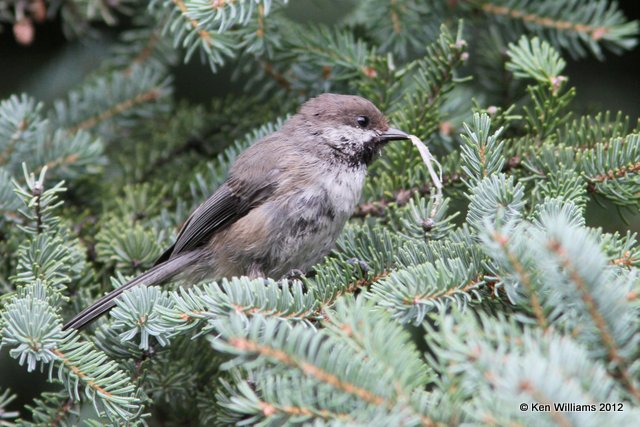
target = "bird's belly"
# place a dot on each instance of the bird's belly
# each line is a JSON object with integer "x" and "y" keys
{"x": 302, "y": 249}
{"x": 293, "y": 231}
{"x": 318, "y": 216}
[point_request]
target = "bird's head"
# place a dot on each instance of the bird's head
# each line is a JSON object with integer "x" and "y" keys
{"x": 351, "y": 127}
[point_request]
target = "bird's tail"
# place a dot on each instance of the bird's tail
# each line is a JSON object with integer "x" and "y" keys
{"x": 157, "y": 274}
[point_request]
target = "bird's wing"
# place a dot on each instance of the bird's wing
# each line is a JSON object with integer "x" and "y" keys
{"x": 224, "y": 206}
{"x": 156, "y": 274}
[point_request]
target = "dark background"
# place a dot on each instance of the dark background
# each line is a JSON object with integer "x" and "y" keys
{"x": 52, "y": 65}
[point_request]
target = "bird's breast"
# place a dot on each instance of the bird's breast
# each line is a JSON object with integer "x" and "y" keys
{"x": 343, "y": 186}
{"x": 327, "y": 205}
{"x": 295, "y": 229}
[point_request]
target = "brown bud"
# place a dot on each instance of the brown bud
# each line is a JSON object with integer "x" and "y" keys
{"x": 514, "y": 162}
{"x": 23, "y": 31}
{"x": 446, "y": 128}
{"x": 326, "y": 72}
{"x": 370, "y": 72}
{"x": 403, "y": 197}
{"x": 427, "y": 224}
{"x": 599, "y": 33}
{"x": 38, "y": 10}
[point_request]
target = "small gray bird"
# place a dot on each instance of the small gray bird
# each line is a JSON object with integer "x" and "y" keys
{"x": 284, "y": 203}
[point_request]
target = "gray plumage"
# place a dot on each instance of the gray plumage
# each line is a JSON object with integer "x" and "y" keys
{"x": 284, "y": 203}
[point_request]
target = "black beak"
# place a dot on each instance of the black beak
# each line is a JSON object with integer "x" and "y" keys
{"x": 393, "y": 135}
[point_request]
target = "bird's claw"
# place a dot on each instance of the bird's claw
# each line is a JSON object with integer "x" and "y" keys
{"x": 294, "y": 274}
{"x": 298, "y": 275}
{"x": 361, "y": 264}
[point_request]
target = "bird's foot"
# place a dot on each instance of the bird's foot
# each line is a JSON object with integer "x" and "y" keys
{"x": 294, "y": 274}
{"x": 298, "y": 275}
{"x": 361, "y": 264}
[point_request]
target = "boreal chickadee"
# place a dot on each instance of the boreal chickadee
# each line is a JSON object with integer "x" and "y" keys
{"x": 286, "y": 199}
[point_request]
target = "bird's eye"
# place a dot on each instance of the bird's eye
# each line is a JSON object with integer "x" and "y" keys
{"x": 363, "y": 121}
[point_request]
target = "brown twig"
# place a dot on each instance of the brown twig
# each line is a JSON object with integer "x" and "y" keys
{"x": 431, "y": 297}
{"x": 617, "y": 173}
{"x": 81, "y": 374}
{"x": 150, "y": 95}
{"x": 596, "y": 33}
{"x": 308, "y": 368}
{"x": 275, "y": 75}
{"x": 538, "y": 311}
{"x": 269, "y": 409}
{"x": 626, "y": 259}
{"x": 400, "y": 197}
{"x": 62, "y": 411}
{"x": 203, "y": 34}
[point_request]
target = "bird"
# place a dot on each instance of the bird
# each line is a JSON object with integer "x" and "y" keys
{"x": 285, "y": 201}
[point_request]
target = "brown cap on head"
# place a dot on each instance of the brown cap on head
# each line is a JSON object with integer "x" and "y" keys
{"x": 344, "y": 109}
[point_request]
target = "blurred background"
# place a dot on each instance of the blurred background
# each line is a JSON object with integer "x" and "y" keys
{"x": 50, "y": 65}
{"x": 613, "y": 84}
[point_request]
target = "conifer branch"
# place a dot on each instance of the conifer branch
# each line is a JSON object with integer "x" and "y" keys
{"x": 539, "y": 396}
{"x": 598, "y": 319}
{"x": 67, "y": 160}
{"x": 595, "y": 33}
{"x": 110, "y": 386}
{"x": 613, "y": 169}
{"x": 107, "y": 103}
{"x": 436, "y": 296}
{"x": 573, "y": 24}
{"x": 543, "y": 292}
{"x": 269, "y": 409}
{"x": 119, "y": 108}
{"x": 286, "y": 355}
{"x": 482, "y": 152}
{"x": 15, "y": 139}
{"x": 260, "y": 30}
{"x": 204, "y": 35}
{"x": 146, "y": 51}
{"x": 395, "y": 19}
{"x": 310, "y": 369}
{"x": 620, "y": 172}
{"x": 76, "y": 371}
{"x": 589, "y": 131}
{"x": 360, "y": 284}
{"x": 434, "y": 77}
{"x": 5, "y": 399}
{"x": 279, "y": 78}
{"x": 63, "y": 411}
{"x": 627, "y": 260}
{"x": 379, "y": 207}
{"x": 524, "y": 278}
